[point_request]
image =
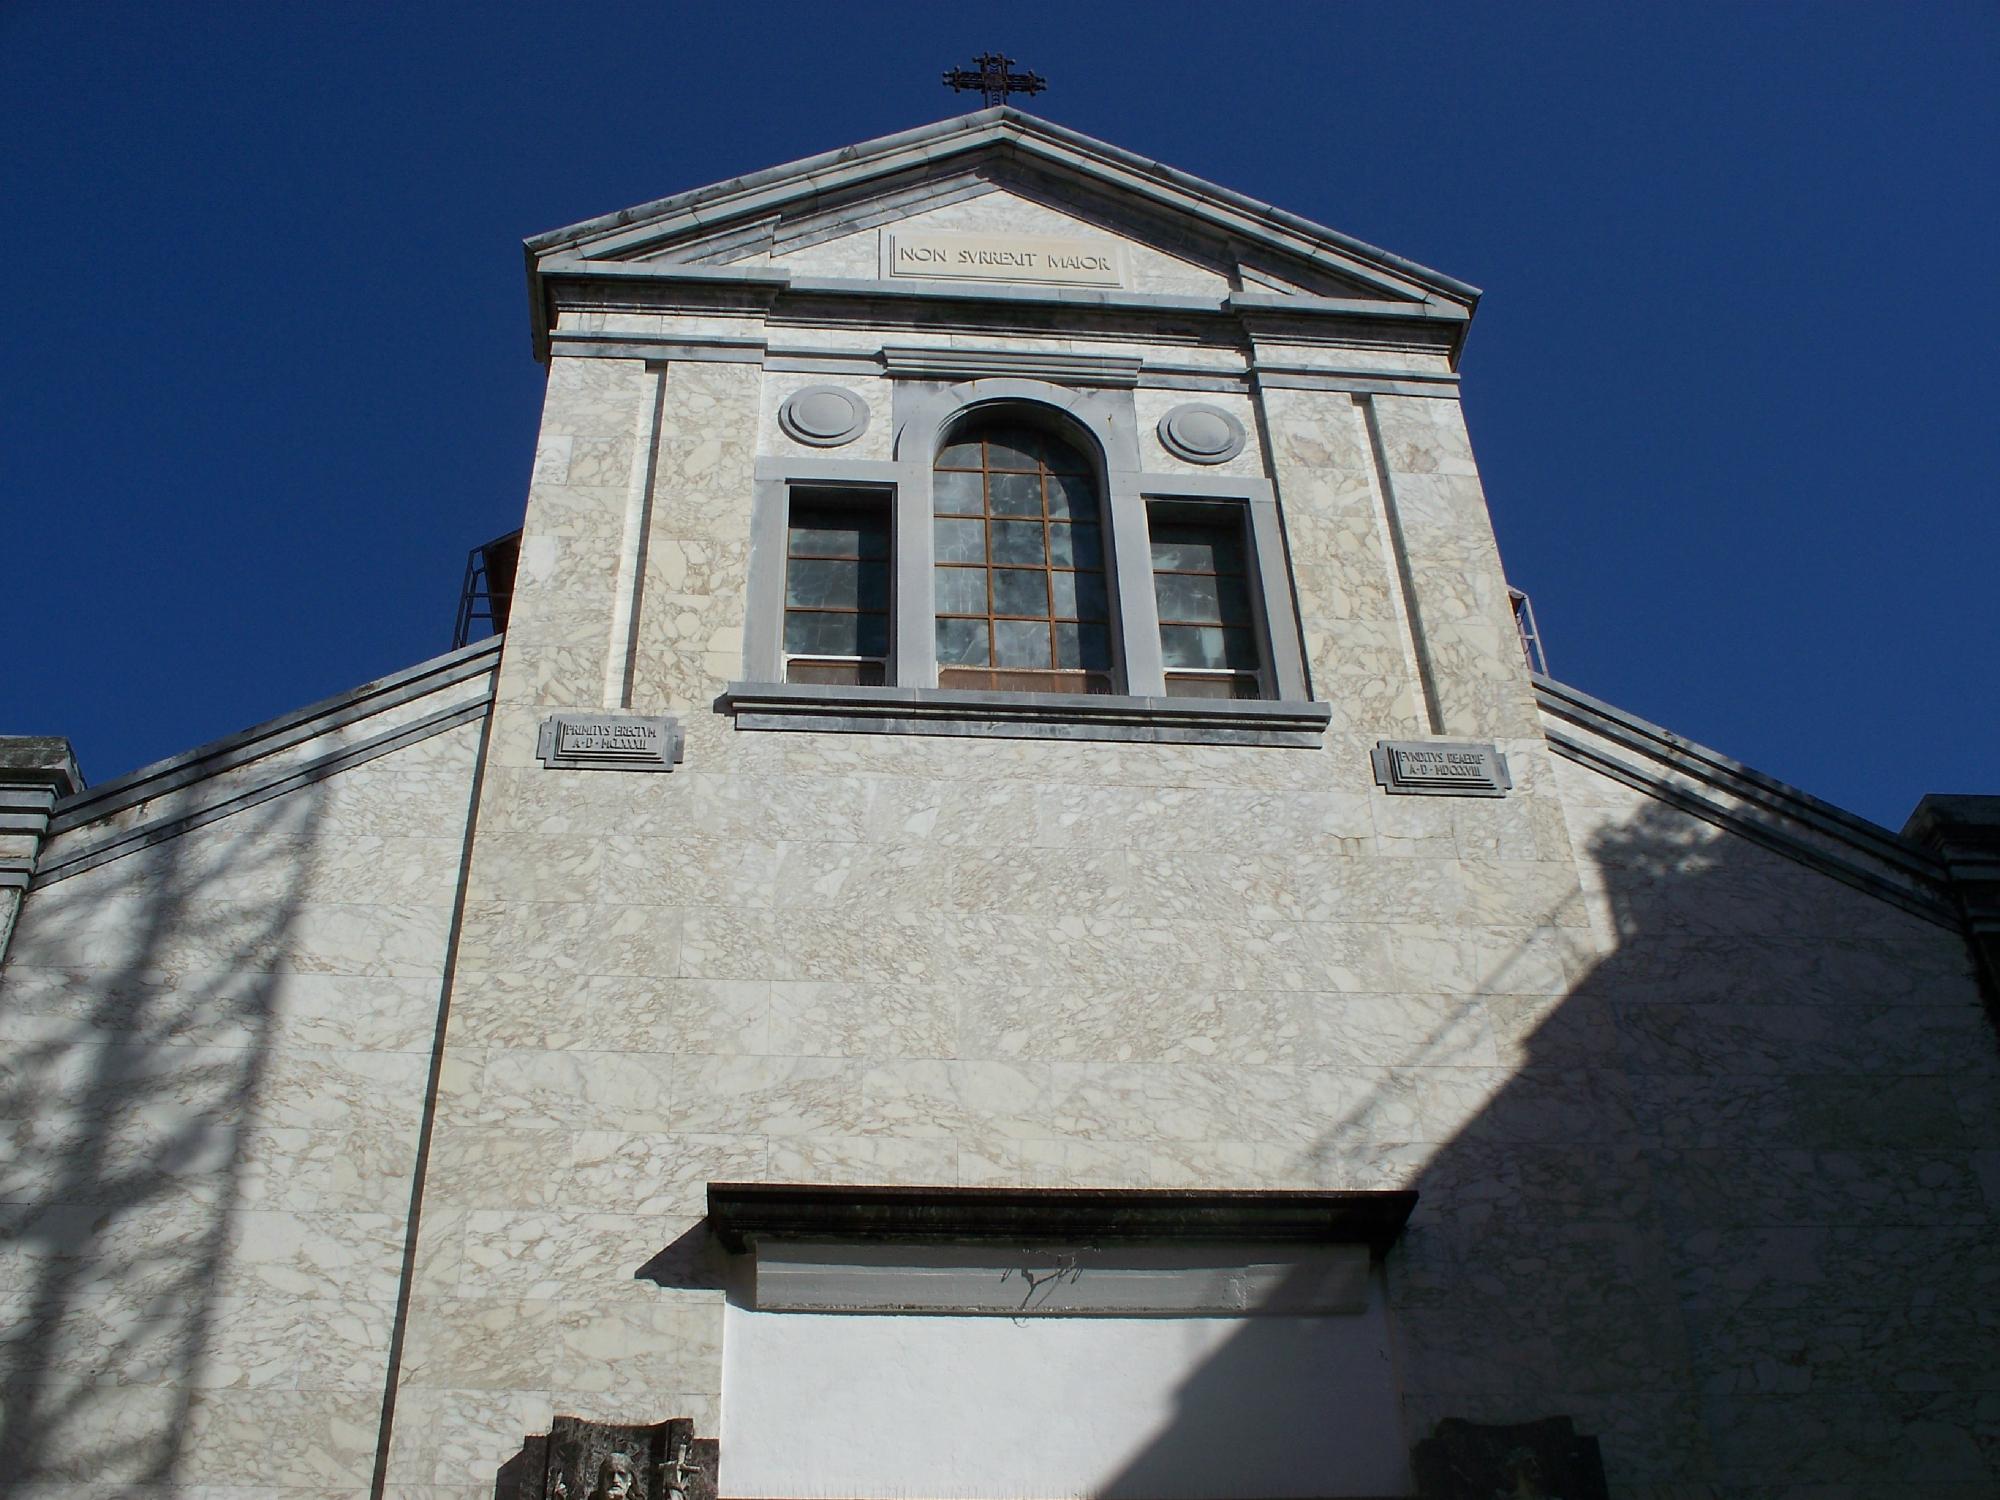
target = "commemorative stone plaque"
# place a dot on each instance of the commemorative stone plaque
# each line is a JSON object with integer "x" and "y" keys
{"x": 1440, "y": 768}
{"x": 609, "y": 742}
{"x": 1063, "y": 259}
{"x": 1545, "y": 1460}
{"x": 584, "y": 1460}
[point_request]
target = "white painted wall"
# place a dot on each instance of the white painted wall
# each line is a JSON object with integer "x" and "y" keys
{"x": 998, "y": 1408}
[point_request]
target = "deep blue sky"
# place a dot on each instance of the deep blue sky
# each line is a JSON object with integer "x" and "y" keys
{"x": 265, "y": 375}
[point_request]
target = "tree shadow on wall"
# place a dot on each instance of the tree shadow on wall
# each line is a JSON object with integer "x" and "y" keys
{"x": 1722, "y": 1208}
{"x": 138, "y": 999}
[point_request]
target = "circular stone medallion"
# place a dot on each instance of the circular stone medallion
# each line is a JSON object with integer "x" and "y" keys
{"x": 1201, "y": 434}
{"x": 824, "y": 416}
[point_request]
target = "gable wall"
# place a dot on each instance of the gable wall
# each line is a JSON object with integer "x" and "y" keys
{"x": 860, "y": 958}
{"x": 217, "y": 1047}
{"x": 1808, "y": 1089}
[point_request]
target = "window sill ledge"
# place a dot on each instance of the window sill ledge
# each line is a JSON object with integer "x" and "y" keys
{"x": 1040, "y": 716}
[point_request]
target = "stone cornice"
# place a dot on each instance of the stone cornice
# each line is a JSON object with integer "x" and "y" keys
{"x": 1732, "y": 796}
{"x": 635, "y": 230}
{"x": 770, "y": 291}
{"x": 741, "y": 1212}
{"x": 246, "y": 769}
{"x": 619, "y": 243}
{"x": 1050, "y": 716}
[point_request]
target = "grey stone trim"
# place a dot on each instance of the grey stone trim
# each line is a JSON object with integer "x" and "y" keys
{"x": 1359, "y": 385}
{"x": 1018, "y": 142}
{"x": 951, "y": 711}
{"x": 1186, "y": 430}
{"x": 1152, "y": 378}
{"x": 1016, "y": 294}
{"x": 1277, "y": 602}
{"x": 923, "y": 411}
{"x": 1271, "y": 371}
{"x": 814, "y": 468}
{"x": 731, "y": 243}
{"x": 1964, "y": 833}
{"x": 595, "y": 741}
{"x": 823, "y": 416}
{"x": 768, "y": 280}
{"x": 632, "y": 230}
{"x": 284, "y": 779}
{"x": 587, "y": 344}
{"x": 1106, "y": 419}
{"x": 824, "y": 362}
{"x": 35, "y": 771}
{"x": 1474, "y": 769}
{"x": 351, "y": 707}
{"x": 926, "y": 363}
{"x": 1304, "y": 303}
{"x": 741, "y": 1213}
{"x": 770, "y": 505}
{"x": 1661, "y": 764}
{"x": 856, "y": 212}
{"x": 667, "y": 286}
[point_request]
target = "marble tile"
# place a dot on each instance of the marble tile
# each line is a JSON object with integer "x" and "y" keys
{"x": 630, "y": 1347}
{"x": 528, "y": 1089}
{"x": 285, "y": 1437}
{"x": 854, "y": 1020}
{"x": 927, "y": 1160}
{"x": 612, "y": 1013}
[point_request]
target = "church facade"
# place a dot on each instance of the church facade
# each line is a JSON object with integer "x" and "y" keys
{"x": 1005, "y": 917}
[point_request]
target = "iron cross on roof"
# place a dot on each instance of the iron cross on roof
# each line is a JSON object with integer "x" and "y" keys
{"x": 991, "y": 78}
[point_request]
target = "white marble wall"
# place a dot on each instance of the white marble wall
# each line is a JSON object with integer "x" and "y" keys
{"x": 215, "y": 1054}
{"x": 848, "y": 958}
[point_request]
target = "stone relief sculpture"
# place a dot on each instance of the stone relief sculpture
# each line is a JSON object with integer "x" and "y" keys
{"x": 583, "y": 1460}
{"x": 1545, "y": 1460}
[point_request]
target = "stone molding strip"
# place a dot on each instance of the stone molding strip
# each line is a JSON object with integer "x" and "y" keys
{"x": 1964, "y": 833}
{"x": 739, "y": 1213}
{"x": 286, "y": 779}
{"x": 1042, "y": 716}
{"x": 1060, "y": 368}
{"x": 1653, "y": 760}
{"x": 793, "y": 187}
{"x": 926, "y": 363}
{"x": 35, "y": 771}
{"x": 295, "y": 728}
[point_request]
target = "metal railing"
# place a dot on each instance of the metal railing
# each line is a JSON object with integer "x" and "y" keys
{"x": 1524, "y": 626}
{"x": 487, "y": 594}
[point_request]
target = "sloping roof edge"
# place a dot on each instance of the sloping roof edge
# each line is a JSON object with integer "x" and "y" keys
{"x": 1740, "y": 800}
{"x": 461, "y": 681}
{"x": 758, "y": 191}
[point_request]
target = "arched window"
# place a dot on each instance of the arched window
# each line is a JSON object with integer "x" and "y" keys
{"x": 1021, "y": 600}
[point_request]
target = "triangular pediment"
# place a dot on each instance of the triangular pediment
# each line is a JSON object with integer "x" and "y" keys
{"x": 983, "y": 185}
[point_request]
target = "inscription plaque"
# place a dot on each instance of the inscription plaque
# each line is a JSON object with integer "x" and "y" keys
{"x": 1440, "y": 768}
{"x": 1061, "y": 259}
{"x": 609, "y": 742}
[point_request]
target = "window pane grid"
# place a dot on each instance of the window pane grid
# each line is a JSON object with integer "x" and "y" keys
{"x": 836, "y": 593}
{"x": 1201, "y": 584}
{"x": 1020, "y": 580}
